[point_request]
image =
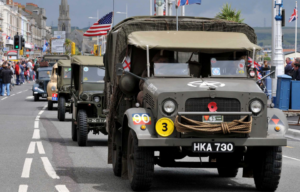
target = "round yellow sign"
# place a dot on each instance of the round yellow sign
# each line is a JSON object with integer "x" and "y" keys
{"x": 164, "y": 127}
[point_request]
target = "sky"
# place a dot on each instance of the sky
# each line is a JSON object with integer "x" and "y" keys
{"x": 257, "y": 13}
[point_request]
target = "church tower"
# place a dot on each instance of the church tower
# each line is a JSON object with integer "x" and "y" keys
{"x": 64, "y": 21}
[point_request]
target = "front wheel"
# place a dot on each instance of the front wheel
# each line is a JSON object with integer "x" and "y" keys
{"x": 267, "y": 168}
{"x": 82, "y": 128}
{"x": 61, "y": 109}
{"x": 140, "y": 164}
{"x": 74, "y": 131}
{"x": 50, "y": 105}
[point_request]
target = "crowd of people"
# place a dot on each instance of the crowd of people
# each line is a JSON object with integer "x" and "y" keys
{"x": 15, "y": 73}
{"x": 292, "y": 68}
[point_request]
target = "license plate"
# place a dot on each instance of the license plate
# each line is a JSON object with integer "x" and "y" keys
{"x": 44, "y": 95}
{"x": 212, "y": 119}
{"x": 67, "y": 104}
{"x": 94, "y": 120}
{"x": 213, "y": 147}
{"x": 54, "y": 97}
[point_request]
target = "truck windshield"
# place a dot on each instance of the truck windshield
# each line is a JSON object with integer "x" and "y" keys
{"x": 44, "y": 74}
{"x": 228, "y": 68}
{"x": 171, "y": 70}
{"x": 67, "y": 73}
{"x": 93, "y": 75}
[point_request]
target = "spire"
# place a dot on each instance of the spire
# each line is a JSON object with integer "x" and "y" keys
{"x": 64, "y": 3}
{"x": 64, "y": 10}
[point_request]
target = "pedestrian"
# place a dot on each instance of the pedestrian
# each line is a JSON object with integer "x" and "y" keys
{"x": 22, "y": 73}
{"x": 288, "y": 70}
{"x": 6, "y": 74}
{"x": 27, "y": 75}
{"x": 30, "y": 67}
{"x": 18, "y": 73}
{"x": 296, "y": 70}
{"x": 1, "y": 79}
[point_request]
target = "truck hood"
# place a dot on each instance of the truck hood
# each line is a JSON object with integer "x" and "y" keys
{"x": 163, "y": 85}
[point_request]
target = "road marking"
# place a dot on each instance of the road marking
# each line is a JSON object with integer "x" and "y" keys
{"x": 61, "y": 188}
{"x": 40, "y": 147}
{"x": 13, "y": 95}
{"x": 49, "y": 169}
{"x": 289, "y": 147}
{"x": 291, "y": 158}
{"x": 36, "y": 134}
{"x": 45, "y": 107}
{"x": 30, "y": 97}
{"x": 19, "y": 92}
{"x": 41, "y": 112}
{"x": 26, "y": 168}
{"x": 36, "y": 124}
{"x": 31, "y": 148}
{"x": 23, "y": 188}
{"x": 4, "y": 98}
{"x": 37, "y": 118}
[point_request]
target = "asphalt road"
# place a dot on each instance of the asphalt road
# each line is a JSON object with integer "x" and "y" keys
{"x": 38, "y": 155}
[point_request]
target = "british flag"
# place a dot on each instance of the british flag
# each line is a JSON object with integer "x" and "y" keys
{"x": 187, "y": 2}
{"x": 294, "y": 16}
{"x": 256, "y": 65}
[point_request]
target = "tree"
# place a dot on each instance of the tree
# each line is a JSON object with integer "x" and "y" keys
{"x": 230, "y": 14}
{"x": 68, "y": 46}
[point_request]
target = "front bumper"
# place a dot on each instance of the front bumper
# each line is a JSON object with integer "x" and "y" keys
{"x": 148, "y": 141}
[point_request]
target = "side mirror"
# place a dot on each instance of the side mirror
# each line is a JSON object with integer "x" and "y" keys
{"x": 119, "y": 69}
{"x": 273, "y": 68}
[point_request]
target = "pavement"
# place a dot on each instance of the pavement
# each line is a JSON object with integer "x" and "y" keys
{"x": 38, "y": 155}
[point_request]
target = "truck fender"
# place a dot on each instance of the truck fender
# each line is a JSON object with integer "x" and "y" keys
{"x": 276, "y": 118}
{"x": 136, "y": 117}
{"x": 35, "y": 88}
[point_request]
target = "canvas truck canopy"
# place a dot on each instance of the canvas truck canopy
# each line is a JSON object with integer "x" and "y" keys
{"x": 88, "y": 60}
{"x": 191, "y": 40}
{"x": 56, "y": 57}
{"x": 64, "y": 63}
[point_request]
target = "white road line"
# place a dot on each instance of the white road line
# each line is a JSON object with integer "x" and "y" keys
{"x": 31, "y": 148}
{"x": 291, "y": 158}
{"x": 13, "y": 95}
{"x": 40, "y": 147}
{"x": 4, "y": 98}
{"x": 26, "y": 168}
{"x": 23, "y": 188}
{"x": 41, "y": 112}
{"x": 30, "y": 97}
{"x": 36, "y": 134}
{"x": 36, "y": 124}
{"x": 45, "y": 107}
{"x": 61, "y": 188}
{"x": 49, "y": 169}
{"x": 37, "y": 118}
{"x": 19, "y": 92}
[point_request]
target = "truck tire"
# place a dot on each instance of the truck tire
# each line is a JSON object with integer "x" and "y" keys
{"x": 227, "y": 171}
{"x": 140, "y": 164}
{"x": 61, "y": 108}
{"x": 74, "y": 131}
{"x": 82, "y": 128}
{"x": 116, "y": 158}
{"x": 36, "y": 97}
{"x": 50, "y": 105}
{"x": 267, "y": 168}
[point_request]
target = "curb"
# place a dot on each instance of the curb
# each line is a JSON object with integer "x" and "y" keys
{"x": 293, "y": 134}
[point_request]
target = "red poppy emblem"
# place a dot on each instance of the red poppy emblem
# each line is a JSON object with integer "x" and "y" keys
{"x": 212, "y": 106}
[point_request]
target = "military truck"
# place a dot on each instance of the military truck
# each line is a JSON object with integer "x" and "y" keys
{"x": 52, "y": 88}
{"x": 63, "y": 88}
{"x": 189, "y": 93}
{"x": 87, "y": 97}
{"x": 39, "y": 89}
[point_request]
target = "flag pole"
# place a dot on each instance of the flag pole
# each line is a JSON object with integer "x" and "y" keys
{"x": 296, "y": 30}
{"x": 176, "y": 17}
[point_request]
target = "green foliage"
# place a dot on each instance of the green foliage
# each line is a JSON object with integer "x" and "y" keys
{"x": 230, "y": 14}
{"x": 68, "y": 46}
{"x": 267, "y": 58}
{"x": 77, "y": 52}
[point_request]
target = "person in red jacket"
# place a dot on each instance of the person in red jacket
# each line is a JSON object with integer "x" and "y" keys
{"x": 17, "y": 71}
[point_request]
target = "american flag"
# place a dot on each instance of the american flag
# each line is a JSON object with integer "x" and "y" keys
{"x": 101, "y": 27}
{"x": 294, "y": 15}
{"x": 187, "y": 2}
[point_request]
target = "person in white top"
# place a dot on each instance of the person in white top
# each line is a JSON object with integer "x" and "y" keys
{"x": 29, "y": 65}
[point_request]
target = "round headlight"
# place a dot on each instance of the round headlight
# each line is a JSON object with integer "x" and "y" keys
{"x": 256, "y": 106}
{"x": 53, "y": 88}
{"x": 169, "y": 106}
{"x": 96, "y": 99}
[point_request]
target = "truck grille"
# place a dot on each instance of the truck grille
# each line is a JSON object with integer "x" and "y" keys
{"x": 224, "y": 105}
{"x": 149, "y": 100}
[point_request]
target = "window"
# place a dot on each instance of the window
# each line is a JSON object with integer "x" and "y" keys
{"x": 63, "y": 28}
